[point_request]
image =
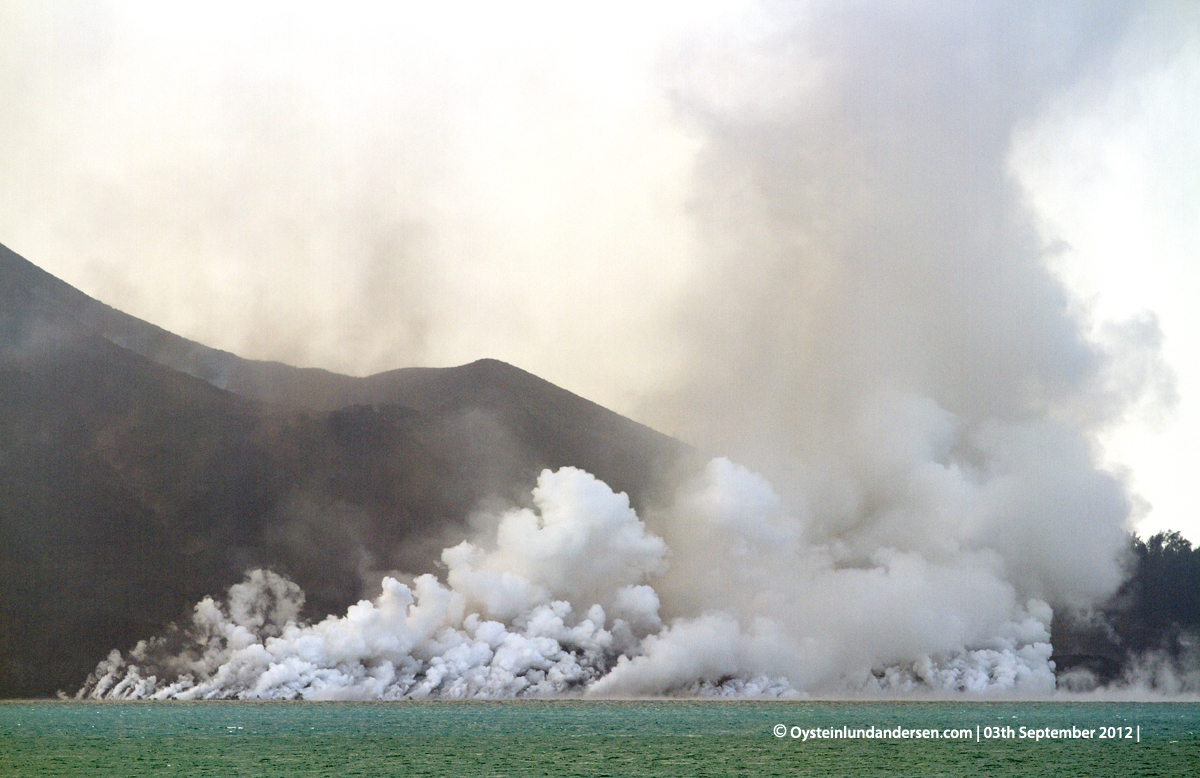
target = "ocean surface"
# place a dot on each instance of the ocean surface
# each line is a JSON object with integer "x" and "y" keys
{"x": 586, "y": 738}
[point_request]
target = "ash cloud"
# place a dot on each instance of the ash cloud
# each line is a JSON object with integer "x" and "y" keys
{"x": 864, "y": 314}
{"x": 579, "y": 596}
{"x": 876, "y": 327}
{"x": 723, "y": 594}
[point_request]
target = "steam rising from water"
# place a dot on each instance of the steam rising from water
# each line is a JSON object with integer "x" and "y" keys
{"x": 579, "y": 596}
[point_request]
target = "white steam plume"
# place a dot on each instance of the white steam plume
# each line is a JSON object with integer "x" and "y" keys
{"x": 579, "y": 597}
{"x": 877, "y": 327}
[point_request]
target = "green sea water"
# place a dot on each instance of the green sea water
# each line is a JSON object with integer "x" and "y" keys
{"x": 585, "y": 738}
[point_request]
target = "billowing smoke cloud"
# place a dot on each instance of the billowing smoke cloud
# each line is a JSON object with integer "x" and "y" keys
{"x": 863, "y": 306}
{"x": 877, "y": 328}
{"x": 546, "y": 611}
{"x": 578, "y": 596}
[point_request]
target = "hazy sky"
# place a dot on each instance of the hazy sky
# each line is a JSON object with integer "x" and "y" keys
{"x": 722, "y": 219}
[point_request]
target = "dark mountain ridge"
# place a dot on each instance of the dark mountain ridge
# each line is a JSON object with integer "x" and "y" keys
{"x": 140, "y": 471}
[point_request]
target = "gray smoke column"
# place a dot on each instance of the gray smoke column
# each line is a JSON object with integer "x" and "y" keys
{"x": 876, "y": 328}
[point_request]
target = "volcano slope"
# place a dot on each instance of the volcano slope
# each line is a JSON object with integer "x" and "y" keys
{"x": 140, "y": 471}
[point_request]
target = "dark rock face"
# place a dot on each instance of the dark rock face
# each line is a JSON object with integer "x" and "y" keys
{"x": 140, "y": 471}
